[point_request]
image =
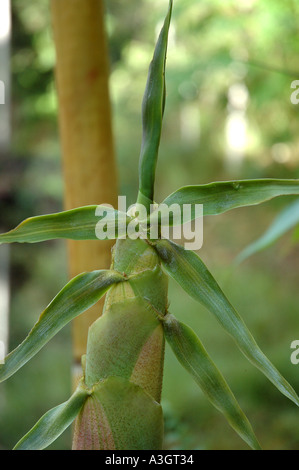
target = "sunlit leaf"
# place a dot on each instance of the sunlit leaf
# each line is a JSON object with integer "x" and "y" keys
{"x": 77, "y": 296}
{"x": 82, "y": 223}
{"x": 223, "y": 196}
{"x": 287, "y": 219}
{"x": 193, "y": 276}
{"x": 193, "y": 356}
{"x": 53, "y": 423}
{"x": 152, "y": 114}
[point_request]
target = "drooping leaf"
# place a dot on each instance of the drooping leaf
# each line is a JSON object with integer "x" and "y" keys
{"x": 54, "y": 422}
{"x": 83, "y": 223}
{"x": 220, "y": 197}
{"x": 194, "y": 277}
{"x": 152, "y": 114}
{"x": 287, "y": 219}
{"x": 77, "y": 296}
{"x": 193, "y": 356}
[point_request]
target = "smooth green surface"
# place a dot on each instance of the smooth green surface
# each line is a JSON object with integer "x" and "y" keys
{"x": 193, "y": 356}
{"x": 193, "y": 276}
{"x": 77, "y": 296}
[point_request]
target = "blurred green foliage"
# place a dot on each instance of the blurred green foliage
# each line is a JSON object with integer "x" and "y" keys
{"x": 228, "y": 62}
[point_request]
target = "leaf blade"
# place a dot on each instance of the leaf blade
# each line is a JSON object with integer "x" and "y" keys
{"x": 74, "y": 224}
{"x": 287, "y": 219}
{"x": 53, "y": 423}
{"x": 152, "y": 114}
{"x": 78, "y": 295}
{"x": 195, "y": 359}
{"x": 219, "y": 197}
{"x": 191, "y": 273}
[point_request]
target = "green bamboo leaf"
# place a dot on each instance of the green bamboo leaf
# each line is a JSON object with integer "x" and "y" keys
{"x": 77, "y": 296}
{"x": 152, "y": 114}
{"x": 287, "y": 219}
{"x": 193, "y": 276}
{"x": 223, "y": 196}
{"x": 193, "y": 356}
{"x": 83, "y": 223}
{"x": 54, "y": 422}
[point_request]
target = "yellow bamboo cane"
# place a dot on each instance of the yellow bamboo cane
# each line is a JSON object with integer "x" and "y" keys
{"x": 82, "y": 73}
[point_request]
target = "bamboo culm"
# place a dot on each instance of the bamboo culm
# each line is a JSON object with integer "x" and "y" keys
{"x": 125, "y": 356}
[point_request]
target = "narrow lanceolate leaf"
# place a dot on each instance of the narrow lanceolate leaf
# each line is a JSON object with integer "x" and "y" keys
{"x": 83, "y": 223}
{"x": 223, "y": 196}
{"x": 53, "y": 423}
{"x": 193, "y": 356}
{"x": 286, "y": 220}
{"x": 193, "y": 276}
{"x": 77, "y": 296}
{"x": 152, "y": 114}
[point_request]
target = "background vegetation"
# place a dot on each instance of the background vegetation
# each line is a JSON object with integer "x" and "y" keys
{"x": 228, "y": 116}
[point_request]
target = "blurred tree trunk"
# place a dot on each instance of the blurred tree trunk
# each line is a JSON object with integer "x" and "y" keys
{"x": 5, "y": 148}
{"x": 86, "y": 133}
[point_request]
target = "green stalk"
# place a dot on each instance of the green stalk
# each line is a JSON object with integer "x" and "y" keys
{"x": 127, "y": 342}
